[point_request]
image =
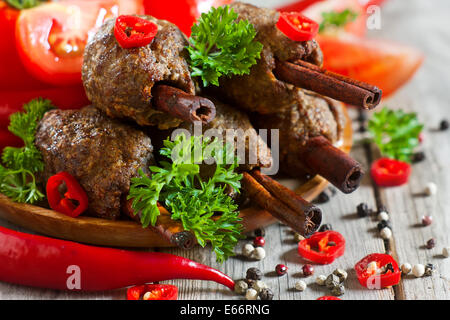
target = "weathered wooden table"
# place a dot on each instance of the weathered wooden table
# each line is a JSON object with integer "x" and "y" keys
{"x": 422, "y": 24}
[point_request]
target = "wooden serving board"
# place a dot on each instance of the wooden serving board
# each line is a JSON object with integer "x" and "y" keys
{"x": 130, "y": 234}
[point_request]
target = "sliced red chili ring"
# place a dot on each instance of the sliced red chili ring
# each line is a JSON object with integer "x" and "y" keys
{"x": 153, "y": 292}
{"x": 297, "y": 27}
{"x": 322, "y": 247}
{"x": 390, "y": 172}
{"x": 73, "y": 193}
{"x": 389, "y": 274}
{"x": 328, "y": 298}
{"x": 132, "y": 31}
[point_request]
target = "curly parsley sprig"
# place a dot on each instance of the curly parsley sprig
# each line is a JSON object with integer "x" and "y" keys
{"x": 17, "y": 174}
{"x": 24, "y": 4}
{"x": 191, "y": 199}
{"x": 222, "y": 46}
{"x": 396, "y": 133}
{"x": 336, "y": 19}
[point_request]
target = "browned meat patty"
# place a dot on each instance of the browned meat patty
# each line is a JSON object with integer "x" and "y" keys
{"x": 227, "y": 118}
{"x": 260, "y": 91}
{"x": 101, "y": 153}
{"x": 120, "y": 81}
{"x": 311, "y": 115}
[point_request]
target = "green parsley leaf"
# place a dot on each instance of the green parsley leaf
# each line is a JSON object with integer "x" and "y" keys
{"x": 396, "y": 133}
{"x": 337, "y": 19}
{"x": 17, "y": 180}
{"x": 191, "y": 199}
{"x": 24, "y": 4}
{"x": 222, "y": 46}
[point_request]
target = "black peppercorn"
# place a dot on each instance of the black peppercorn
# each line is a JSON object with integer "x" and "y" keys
{"x": 363, "y": 210}
{"x": 444, "y": 125}
{"x": 362, "y": 128}
{"x": 254, "y": 274}
{"x": 325, "y": 227}
{"x": 384, "y": 224}
{"x": 418, "y": 157}
{"x": 362, "y": 116}
{"x": 323, "y": 198}
{"x": 261, "y": 232}
{"x": 266, "y": 294}
{"x": 431, "y": 243}
{"x": 429, "y": 269}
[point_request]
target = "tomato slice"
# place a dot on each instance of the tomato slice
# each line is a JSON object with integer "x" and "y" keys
{"x": 297, "y": 27}
{"x": 183, "y": 13}
{"x": 322, "y": 247}
{"x": 390, "y": 277}
{"x": 390, "y": 173}
{"x": 51, "y": 38}
{"x": 381, "y": 63}
{"x": 153, "y": 292}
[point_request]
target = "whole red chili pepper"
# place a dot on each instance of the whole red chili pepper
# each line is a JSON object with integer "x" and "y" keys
{"x": 64, "y": 265}
{"x": 74, "y": 192}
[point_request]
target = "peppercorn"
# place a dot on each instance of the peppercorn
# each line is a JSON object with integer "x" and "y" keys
{"x": 362, "y": 116}
{"x": 251, "y": 294}
{"x": 429, "y": 269}
{"x": 430, "y": 189}
{"x": 261, "y": 232}
{"x": 308, "y": 270}
{"x": 384, "y": 224}
{"x": 325, "y": 227}
{"x": 298, "y": 237}
{"x": 259, "y": 253}
{"x": 418, "y": 157}
{"x": 341, "y": 274}
{"x": 300, "y": 285}
{"x": 431, "y": 243}
{"x": 259, "y": 242}
{"x": 332, "y": 281}
{"x": 406, "y": 268}
{"x": 388, "y": 268}
{"x": 383, "y": 215}
{"x": 254, "y": 274}
{"x": 338, "y": 290}
{"x": 418, "y": 270}
{"x": 247, "y": 249}
{"x": 446, "y": 252}
{"x": 281, "y": 269}
{"x": 386, "y": 233}
{"x": 320, "y": 280}
{"x": 363, "y": 210}
{"x": 427, "y": 220}
{"x": 362, "y": 128}
{"x": 266, "y": 294}
{"x": 444, "y": 125}
{"x": 323, "y": 198}
{"x": 240, "y": 287}
{"x": 258, "y": 285}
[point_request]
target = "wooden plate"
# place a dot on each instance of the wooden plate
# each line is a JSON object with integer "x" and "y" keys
{"x": 128, "y": 233}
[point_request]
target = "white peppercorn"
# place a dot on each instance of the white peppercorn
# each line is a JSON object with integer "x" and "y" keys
{"x": 247, "y": 249}
{"x": 341, "y": 274}
{"x": 240, "y": 287}
{"x": 300, "y": 285}
{"x": 418, "y": 270}
{"x": 446, "y": 252}
{"x": 332, "y": 281}
{"x": 406, "y": 268}
{"x": 259, "y": 253}
{"x": 383, "y": 215}
{"x": 258, "y": 285}
{"x": 430, "y": 189}
{"x": 386, "y": 233}
{"x": 320, "y": 279}
{"x": 251, "y": 294}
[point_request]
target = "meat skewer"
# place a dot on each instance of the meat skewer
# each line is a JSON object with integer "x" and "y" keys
{"x": 151, "y": 85}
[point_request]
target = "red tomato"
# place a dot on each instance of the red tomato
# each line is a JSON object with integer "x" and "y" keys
{"x": 390, "y": 173}
{"x": 370, "y": 278}
{"x": 183, "y": 13}
{"x": 318, "y": 248}
{"x": 51, "y": 38}
{"x": 381, "y": 63}
{"x": 155, "y": 292}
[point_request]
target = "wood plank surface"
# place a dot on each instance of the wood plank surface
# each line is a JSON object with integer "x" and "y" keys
{"x": 417, "y": 23}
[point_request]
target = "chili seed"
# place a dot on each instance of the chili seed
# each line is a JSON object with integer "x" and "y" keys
{"x": 266, "y": 294}
{"x": 446, "y": 252}
{"x": 427, "y": 220}
{"x": 320, "y": 280}
{"x": 418, "y": 270}
{"x": 251, "y": 294}
{"x": 259, "y": 253}
{"x": 431, "y": 243}
{"x": 323, "y": 198}
{"x": 418, "y": 157}
{"x": 383, "y": 224}
{"x": 386, "y": 233}
{"x": 247, "y": 249}
{"x": 430, "y": 189}
{"x": 363, "y": 210}
{"x": 325, "y": 227}
{"x": 254, "y": 274}
{"x": 444, "y": 125}
{"x": 308, "y": 270}
{"x": 300, "y": 285}
{"x": 341, "y": 274}
{"x": 281, "y": 269}
{"x": 298, "y": 237}
{"x": 332, "y": 281}
{"x": 259, "y": 242}
{"x": 338, "y": 290}
{"x": 429, "y": 269}
{"x": 240, "y": 287}
{"x": 406, "y": 268}
{"x": 261, "y": 232}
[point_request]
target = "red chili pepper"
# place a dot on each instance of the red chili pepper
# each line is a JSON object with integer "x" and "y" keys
{"x": 389, "y": 172}
{"x": 43, "y": 262}
{"x": 297, "y": 27}
{"x": 153, "y": 292}
{"x": 389, "y": 276}
{"x": 322, "y": 247}
{"x": 132, "y": 31}
{"x": 74, "y": 192}
{"x": 328, "y": 298}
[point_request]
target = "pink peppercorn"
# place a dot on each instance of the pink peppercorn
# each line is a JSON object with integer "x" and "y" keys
{"x": 259, "y": 242}
{"x": 308, "y": 270}
{"x": 281, "y": 269}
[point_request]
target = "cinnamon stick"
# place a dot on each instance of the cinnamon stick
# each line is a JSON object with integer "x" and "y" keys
{"x": 182, "y": 105}
{"x": 321, "y": 157}
{"x": 169, "y": 229}
{"x": 309, "y": 76}
{"x": 297, "y": 214}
